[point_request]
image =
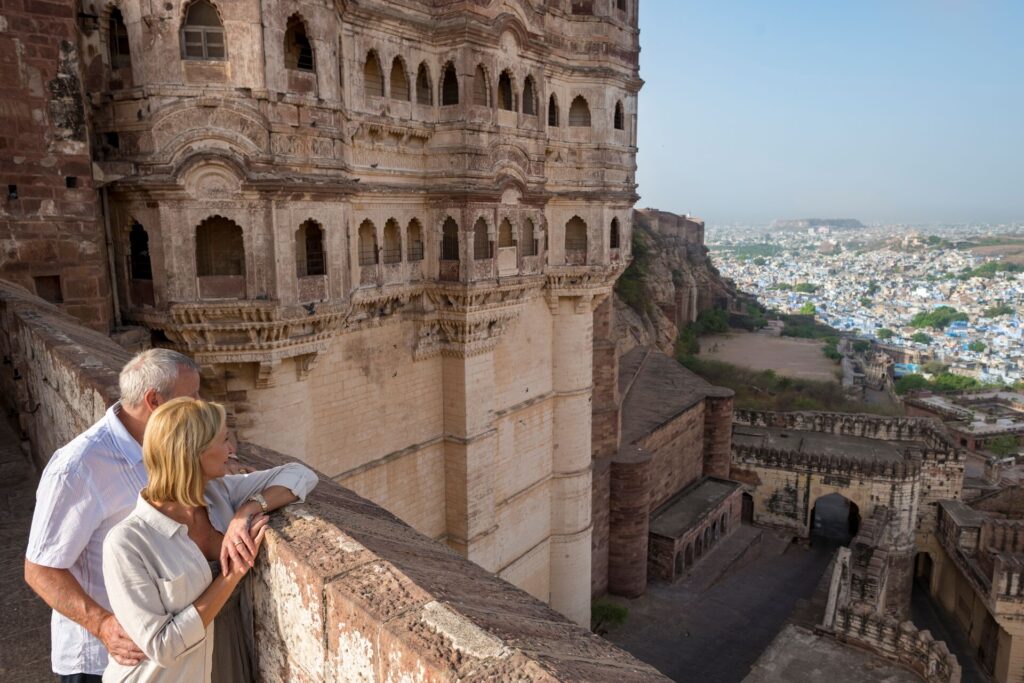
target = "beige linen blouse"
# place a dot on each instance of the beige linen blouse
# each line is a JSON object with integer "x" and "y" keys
{"x": 154, "y": 572}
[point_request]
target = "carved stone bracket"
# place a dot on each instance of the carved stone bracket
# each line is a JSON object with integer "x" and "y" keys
{"x": 587, "y": 286}
{"x": 265, "y": 373}
{"x": 466, "y": 320}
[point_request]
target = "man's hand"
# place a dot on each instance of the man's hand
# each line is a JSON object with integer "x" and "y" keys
{"x": 118, "y": 644}
{"x": 240, "y": 544}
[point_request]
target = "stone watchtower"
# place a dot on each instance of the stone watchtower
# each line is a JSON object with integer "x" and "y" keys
{"x": 383, "y": 228}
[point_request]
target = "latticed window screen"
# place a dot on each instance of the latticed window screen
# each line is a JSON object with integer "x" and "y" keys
{"x": 392, "y": 252}
{"x": 481, "y": 242}
{"x": 367, "y": 244}
{"x": 529, "y": 243}
{"x": 450, "y": 241}
{"x": 423, "y": 95}
{"x": 529, "y": 97}
{"x": 480, "y": 90}
{"x": 552, "y": 111}
{"x": 450, "y": 87}
{"x": 399, "y": 81}
{"x": 576, "y": 235}
{"x": 202, "y": 34}
{"x": 506, "y": 100}
{"x": 219, "y": 248}
{"x": 298, "y": 52}
{"x": 505, "y": 234}
{"x": 579, "y": 112}
{"x": 414, "y": 241}
{"x": 373, "y": 77}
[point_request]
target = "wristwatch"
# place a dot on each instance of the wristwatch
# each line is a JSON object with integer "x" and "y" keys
{"x": 258, "y": 497}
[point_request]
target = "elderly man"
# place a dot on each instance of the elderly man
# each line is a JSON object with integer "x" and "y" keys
{"x": 88, "y": 486}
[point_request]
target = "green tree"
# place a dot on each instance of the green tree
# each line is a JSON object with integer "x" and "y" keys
{"x": 977, "y": 346}
{"x": 866, "y": 302}
{"x": 861, "y": 346}
{"x": 998, "y": 310}
{"x": 759, "y": 261}
{"x": 938, "y": 319}
{"x": 805, "y": 287}
{"x": 908, "y": 383}
{"x": 884, "y": 333}
{"x": 921, "y": 338}
{"x": 1003, "y": 445}
{"x": 807, "y": 309}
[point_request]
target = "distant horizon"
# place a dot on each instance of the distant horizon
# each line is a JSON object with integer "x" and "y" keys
{"x": 890, "y": 113}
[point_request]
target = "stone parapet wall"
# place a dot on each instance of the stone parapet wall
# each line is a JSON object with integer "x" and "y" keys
{"x": 775, "y": 458}
{"x": 57, "y": 375}
{"x": 897, "y": 641}
{"x": 853, "y": 424}
{"x": 345, "y": 590}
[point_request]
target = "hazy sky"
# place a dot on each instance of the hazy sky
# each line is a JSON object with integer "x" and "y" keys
{"x": 888, "y": 110}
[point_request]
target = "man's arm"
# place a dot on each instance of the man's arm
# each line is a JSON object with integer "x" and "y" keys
{"x": 62, "y": 592}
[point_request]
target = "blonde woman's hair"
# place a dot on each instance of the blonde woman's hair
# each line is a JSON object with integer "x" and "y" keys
{"x": 176, "y": 434}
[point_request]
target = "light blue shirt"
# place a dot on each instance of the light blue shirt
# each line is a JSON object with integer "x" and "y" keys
{"x": 88, "y": 486}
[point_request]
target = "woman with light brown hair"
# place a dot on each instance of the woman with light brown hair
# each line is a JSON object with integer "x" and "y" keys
{"x": 173, "y": 565}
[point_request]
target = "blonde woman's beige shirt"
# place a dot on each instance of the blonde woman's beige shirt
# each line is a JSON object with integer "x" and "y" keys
{"x": 154, "y": 572}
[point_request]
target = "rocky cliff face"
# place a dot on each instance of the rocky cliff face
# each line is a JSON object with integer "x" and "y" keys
{"x": 670, "y": 281}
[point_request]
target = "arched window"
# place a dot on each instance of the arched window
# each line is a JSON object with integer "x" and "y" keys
{"x": 117, "y": 41}
{"x": 552, "y": 111}
{"x": 373, "y": 76}
{"x": 620, "y": 5}
{"x": 505, "y": 238}
{"x": 481, "y": 242}
{"x": 579, "y": 112}
{"x": 139, "y": 265}
{"x": 450, "y": 240}
{"x": 481, "y": 91}
{"x": 506, "y": 98}
{"x": 528, "y": 245}
{"x": 399, "y": 81}
{"x": 423, "y": 94}
{"x": 309, "y": 250}
{"x": 450, "y": 86}
{"x": 414, "y": 240}
{"x": 298, "y": 52}
{"x": 392, "y": 242}
{"x": 620, "y": 118}
{"x": 367, "y": 243}
{"x": 220, "y": 249}
{"x": 529, "y": 97}
{"x": 202, "y": 34}
{"x": 576, "y": 235}
{"x": 613, "y": 237}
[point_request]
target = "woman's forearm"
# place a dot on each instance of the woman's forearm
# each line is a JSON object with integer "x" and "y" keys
{"x": 211, "y": 602}
{"x": 276, "y": 497}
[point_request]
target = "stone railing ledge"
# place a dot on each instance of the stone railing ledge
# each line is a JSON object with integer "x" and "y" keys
{"x": 346, "y": 591}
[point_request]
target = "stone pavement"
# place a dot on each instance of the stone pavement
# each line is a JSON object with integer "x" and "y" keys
{"x": 713, "y": 631}
{"x": 25, "y": 639}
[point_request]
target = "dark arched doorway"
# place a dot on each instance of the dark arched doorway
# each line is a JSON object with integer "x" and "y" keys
{"x": 834, "y": 518}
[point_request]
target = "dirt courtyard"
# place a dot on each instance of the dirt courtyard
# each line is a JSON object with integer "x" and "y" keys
{"x": 785, "y": 355}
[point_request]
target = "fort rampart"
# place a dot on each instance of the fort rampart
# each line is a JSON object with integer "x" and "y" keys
{"x": 344, "y": 589}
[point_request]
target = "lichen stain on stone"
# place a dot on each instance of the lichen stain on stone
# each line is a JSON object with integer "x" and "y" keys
{"x": 298, "y": 610}
{"x": 66, "y": 108}
{"x": 354, "y": 658}
{"x": 465, "y": 636}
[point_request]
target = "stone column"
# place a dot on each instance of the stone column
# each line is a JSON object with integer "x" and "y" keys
{"x": 469, "y": 452}
{"x": 629, "y": 513}
{"x": 718, "y": 432}
{"x": 571, "y": 456}
{"x": 604, "y": 437}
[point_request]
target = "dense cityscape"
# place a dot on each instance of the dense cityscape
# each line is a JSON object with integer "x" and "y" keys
{"x": 952, "y": 293}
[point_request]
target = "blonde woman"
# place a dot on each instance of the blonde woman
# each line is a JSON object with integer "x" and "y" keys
{"x": 174, "y": 563}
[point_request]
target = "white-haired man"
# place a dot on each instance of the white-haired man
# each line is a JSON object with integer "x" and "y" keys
{"x": 88, "y": 486}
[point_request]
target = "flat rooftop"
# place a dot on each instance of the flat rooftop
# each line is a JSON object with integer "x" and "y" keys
{"x": 801, "y": 656}
{"x": 987, "y": 412}
{"x": 655, "y": 389}
{"x": 688, "y": 506}
{"x": 854, "y": 447}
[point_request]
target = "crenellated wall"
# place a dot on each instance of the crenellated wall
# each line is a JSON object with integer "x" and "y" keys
{"x": 344, "y": 590}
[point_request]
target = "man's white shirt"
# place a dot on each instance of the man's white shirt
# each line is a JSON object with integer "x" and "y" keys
{"x": 88, "y": 486}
